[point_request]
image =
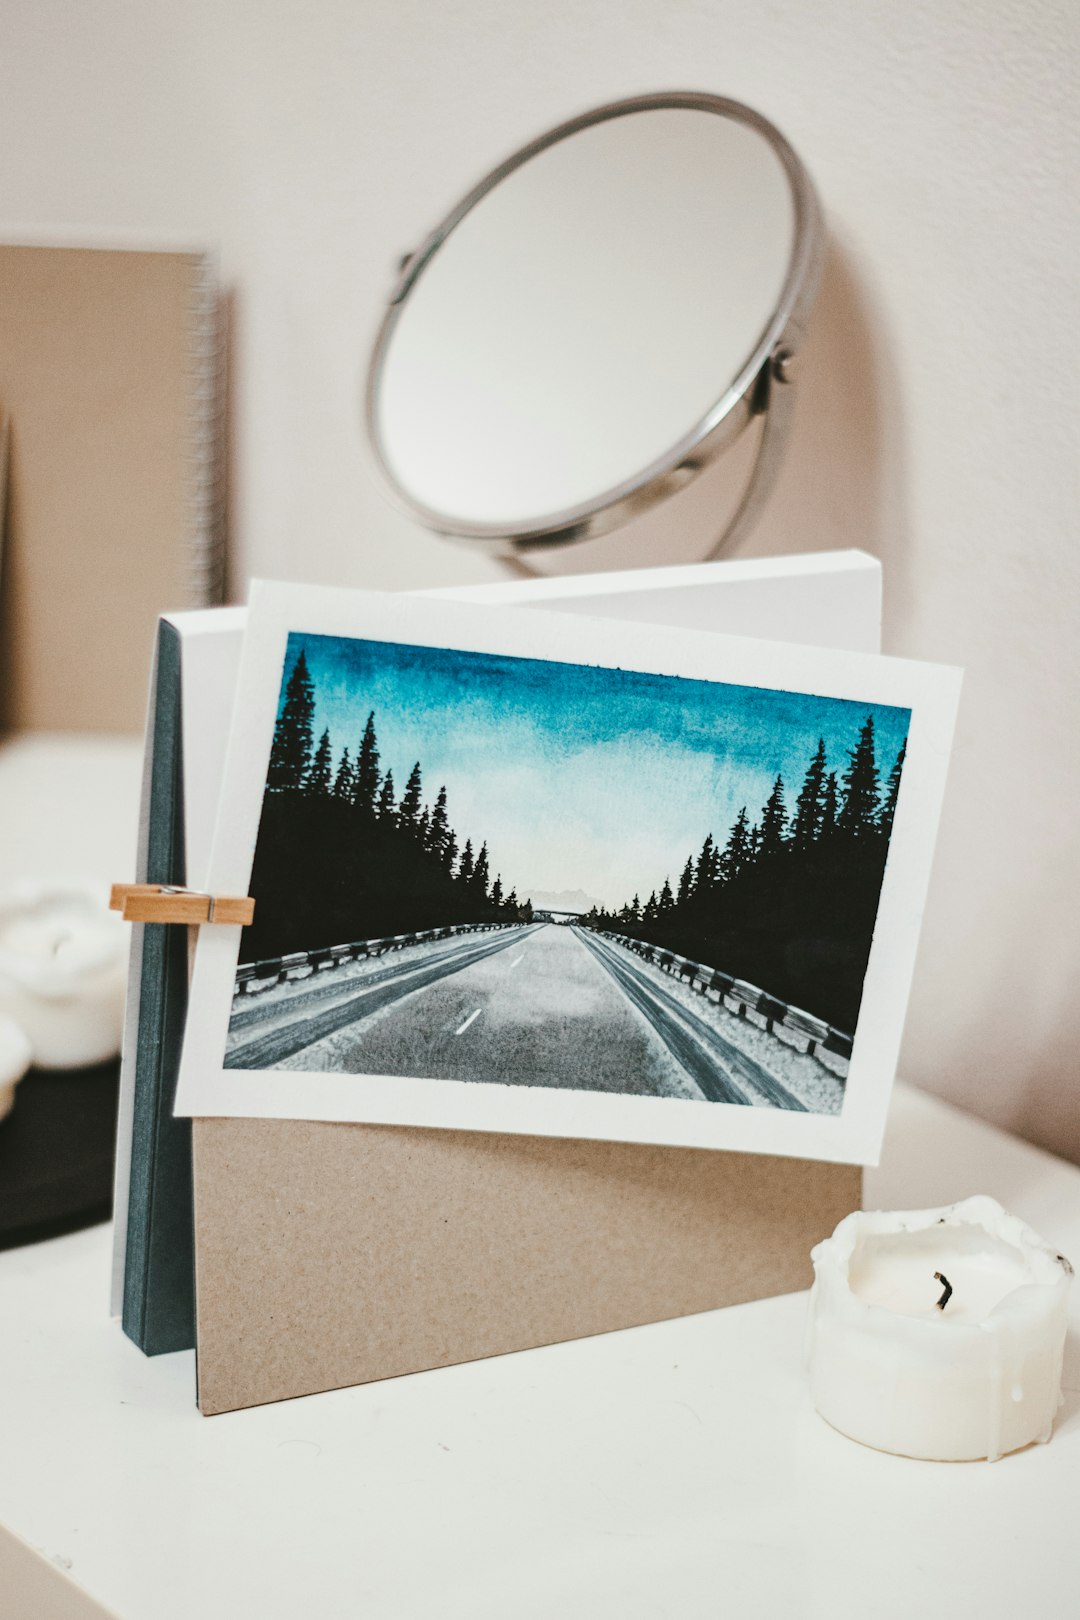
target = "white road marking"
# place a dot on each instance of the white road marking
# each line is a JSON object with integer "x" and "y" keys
{"x": 510, "y": 966}
{"x": 463, "y": 1027}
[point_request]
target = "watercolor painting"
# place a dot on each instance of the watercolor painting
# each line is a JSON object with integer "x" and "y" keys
{"x": 472, "y": 866}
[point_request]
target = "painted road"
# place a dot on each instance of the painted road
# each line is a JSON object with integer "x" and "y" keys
{"x": 543, "y": 1005}
{"x": 305, "y": 1018}
{"x": 541, "y": 1011}
{"x": 723, "y": 1072}
{"x": 302, "y": 996}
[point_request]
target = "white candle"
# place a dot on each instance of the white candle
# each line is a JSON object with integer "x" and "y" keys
{"x": 62, "y": 972}
{"x": 899, "y": 1362}
{"x": 15, "y": 1056}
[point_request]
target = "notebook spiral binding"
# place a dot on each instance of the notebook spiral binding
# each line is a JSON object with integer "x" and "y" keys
{"x": 204, "y": 570}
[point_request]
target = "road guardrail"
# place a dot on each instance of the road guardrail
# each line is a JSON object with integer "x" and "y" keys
{"x": 251, "y": 977}
{"x": 802, "y": 1030}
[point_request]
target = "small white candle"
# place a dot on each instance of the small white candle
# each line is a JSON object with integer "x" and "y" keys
{"x": 62, "y": 972}
{"x": 899, "y": 1362}
{"x": 15, "y": 1056}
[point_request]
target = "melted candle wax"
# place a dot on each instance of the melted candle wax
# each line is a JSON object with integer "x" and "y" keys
{"x": 63, "y": 961}
{"x": 938, "y": 1333}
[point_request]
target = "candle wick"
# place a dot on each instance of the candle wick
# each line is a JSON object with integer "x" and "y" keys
{"x": 947, "y": 1295}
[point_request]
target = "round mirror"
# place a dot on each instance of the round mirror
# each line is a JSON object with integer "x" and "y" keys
{"x": 596, "y": 321}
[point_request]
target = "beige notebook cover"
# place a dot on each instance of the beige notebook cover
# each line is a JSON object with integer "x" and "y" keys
{"x": 109, "y": 367}
{"x": 329, "y": 1255}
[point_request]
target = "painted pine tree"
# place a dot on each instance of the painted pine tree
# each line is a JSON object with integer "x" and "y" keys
{"x": 810, "y": 804}
{"x": 366, "y": 772}
{"x": 706, "y": 872}
{"x": 736, "y": 854}
{"x": 439, "y": 832}
{"x": 317, "y": 780}
{"x": 343, "y": 781}
{"x": 773, "y": 823}
{"x": 892, "y": 792}
{"x": 409, "y": 810}
{"x": 859, "y": 811}
{"x": 290, "y": 754}
{"x": 386, "y": 809}
{"x": 830, "y": 809}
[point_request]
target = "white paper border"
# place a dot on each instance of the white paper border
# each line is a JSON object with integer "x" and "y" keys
{"x": 930, "y": 691}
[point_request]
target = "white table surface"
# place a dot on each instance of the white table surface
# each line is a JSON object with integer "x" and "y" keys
{"x": 677, "y": 1470}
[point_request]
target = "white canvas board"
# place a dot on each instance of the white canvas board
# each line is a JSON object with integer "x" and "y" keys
{"x": 211, "y": 640}
{"x": 314, "y": 1071}
{"x": 825, "y": 598}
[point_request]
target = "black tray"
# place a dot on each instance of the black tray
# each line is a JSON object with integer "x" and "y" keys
{"x": 56, "y": 1153}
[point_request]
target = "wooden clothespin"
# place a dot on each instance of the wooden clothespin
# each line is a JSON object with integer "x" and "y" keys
{"x": 162, "y": 903}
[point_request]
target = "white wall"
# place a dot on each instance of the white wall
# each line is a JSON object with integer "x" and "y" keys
{"x": 314, "y": 142}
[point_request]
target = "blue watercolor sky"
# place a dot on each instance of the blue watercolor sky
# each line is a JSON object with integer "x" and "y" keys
{"x": 577, "y": 777}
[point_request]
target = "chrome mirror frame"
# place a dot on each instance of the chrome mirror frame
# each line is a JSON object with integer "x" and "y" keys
{"x": 764, "y": 387}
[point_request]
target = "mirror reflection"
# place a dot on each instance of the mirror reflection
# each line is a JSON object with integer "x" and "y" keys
{"x": 590, "y": 312}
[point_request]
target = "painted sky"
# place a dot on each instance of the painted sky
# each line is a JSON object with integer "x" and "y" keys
{"x": 578, "y": 777}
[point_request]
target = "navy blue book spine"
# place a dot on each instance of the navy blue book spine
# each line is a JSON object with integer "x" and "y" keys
{"x": 159, "y": 1274}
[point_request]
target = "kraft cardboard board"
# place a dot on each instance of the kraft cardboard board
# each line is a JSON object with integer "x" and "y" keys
{"x": 330, "y": 1255}
{"x": 109, "y": 363}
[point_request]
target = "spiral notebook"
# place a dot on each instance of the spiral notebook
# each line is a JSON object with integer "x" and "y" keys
{"x": 110, "y": 384}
